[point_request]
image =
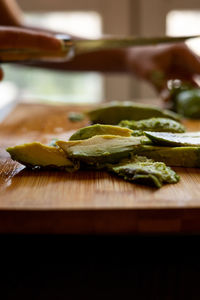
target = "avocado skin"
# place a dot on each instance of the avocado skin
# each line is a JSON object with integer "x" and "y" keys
{"x": 114, "y": 112}
{"x": 145, "y": 171}
{"x": 99, "y": 129}
{"x": 38, "y": 155}
{"x": 188, "y": 103}
{"x": 171, "y": 156}
{"x": 189, "y": 139}
{"x": 154, "y": 124}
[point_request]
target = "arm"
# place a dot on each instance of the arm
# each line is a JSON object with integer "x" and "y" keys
{"x": 110, "y": 61}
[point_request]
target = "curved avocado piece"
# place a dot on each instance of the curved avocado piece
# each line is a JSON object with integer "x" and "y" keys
{"x": 100, "y": 149}
{"x": 154, "y": 124}
{"x": 174, "y": 139}
{"x": 115, "y": 112}
{"x": 171, "y": 156}
{"x": 38, "y": 155}
{"x": 145, "y": 171}
{"x": 98, "y": 129}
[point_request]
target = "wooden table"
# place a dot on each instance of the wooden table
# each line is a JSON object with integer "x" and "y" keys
{"x": 85, "y": 202}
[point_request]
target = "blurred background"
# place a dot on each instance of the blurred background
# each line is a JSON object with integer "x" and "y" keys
{"x": 90, "y": 18}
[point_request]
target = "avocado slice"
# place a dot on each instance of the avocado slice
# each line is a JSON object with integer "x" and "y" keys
{"x": 154, "y": 124}
{"x": 100, "y": 149}
{"x": 172, "y": 156}
{"x": 114, "y": 112}
{"x": 38, "y": 155}
{"x": 98, "y": 129}
{"x": 145, "y": 171}
{"x": 174, "y": 139}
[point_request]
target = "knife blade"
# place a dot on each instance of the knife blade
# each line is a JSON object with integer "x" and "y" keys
{"x": 71, "y": 47}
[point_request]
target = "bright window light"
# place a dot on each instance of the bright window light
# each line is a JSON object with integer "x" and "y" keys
{"x": 185, "y": 23}
{"x": 49, "y": 85}
{"x": 84, "y": 24}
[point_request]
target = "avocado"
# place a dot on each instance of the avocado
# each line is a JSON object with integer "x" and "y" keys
{"x": 171, "y": 156}
{"x": 38, "y": 155}
{"x": 138, "y": 133}
{"x": 188, "y": 103}
{"x": 174, "y": 139}
{"x": 100, "y": 149}
{"x": 114, "y": 112}
{"x": 98, "y": 129}
{"x": 154, "y": 124}
{"x": 185, "y": 99}
{"x": 145, "y": 171}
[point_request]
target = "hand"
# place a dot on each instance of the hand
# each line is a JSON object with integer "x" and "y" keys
{"x": 16, "y": 37}
{"x": 161, "y": 63}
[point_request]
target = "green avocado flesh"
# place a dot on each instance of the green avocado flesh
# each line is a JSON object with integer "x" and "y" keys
{"x": 100, "y": 148}
{"x": 172, "y": 156}
{"x": 38, "y": 155}
{"x": 98, "y": 129}
{"x": 174, "y": 139}
{"x": 115, "y": 112}
{"x": 145, "y": 171}
{"x": 154, "y": 124}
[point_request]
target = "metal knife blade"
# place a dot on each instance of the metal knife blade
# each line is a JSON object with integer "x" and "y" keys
{"x": 71, "y": 47}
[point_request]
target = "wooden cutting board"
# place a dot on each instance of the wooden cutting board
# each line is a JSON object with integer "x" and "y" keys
{"x": 85, "y": 202}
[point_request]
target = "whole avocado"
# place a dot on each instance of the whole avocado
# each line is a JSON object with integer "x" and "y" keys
{"x": 188, "y": 103}
{"x": 185, "y": 99}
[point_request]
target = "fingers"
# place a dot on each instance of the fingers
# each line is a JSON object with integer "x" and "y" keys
{"x": 13, "y": 37}
{"x": 179, "y": 62}
{"x": 187, "y": 58}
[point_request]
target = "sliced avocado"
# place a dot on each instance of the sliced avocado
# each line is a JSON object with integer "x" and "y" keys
{"x": 174, "y": 139}
{"x": 114, "y": 112}
{"x": 98, "y": 129}
{"x": 172, "y": 156}
{"x": 138, "y": 133}
{"x": 38, "y": 155}
{"x": 154, "y": 124}
{"x": 100, "y": 148}
{"x": 145, "y": 171}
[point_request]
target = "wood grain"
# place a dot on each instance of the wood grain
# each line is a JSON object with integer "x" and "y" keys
{"x": 84, "y": 202}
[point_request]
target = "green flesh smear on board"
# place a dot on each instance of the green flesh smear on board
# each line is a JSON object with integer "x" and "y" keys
{"x": 145, "y": 171}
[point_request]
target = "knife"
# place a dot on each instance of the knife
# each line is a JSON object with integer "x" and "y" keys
{"x": 71, "y": 47}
